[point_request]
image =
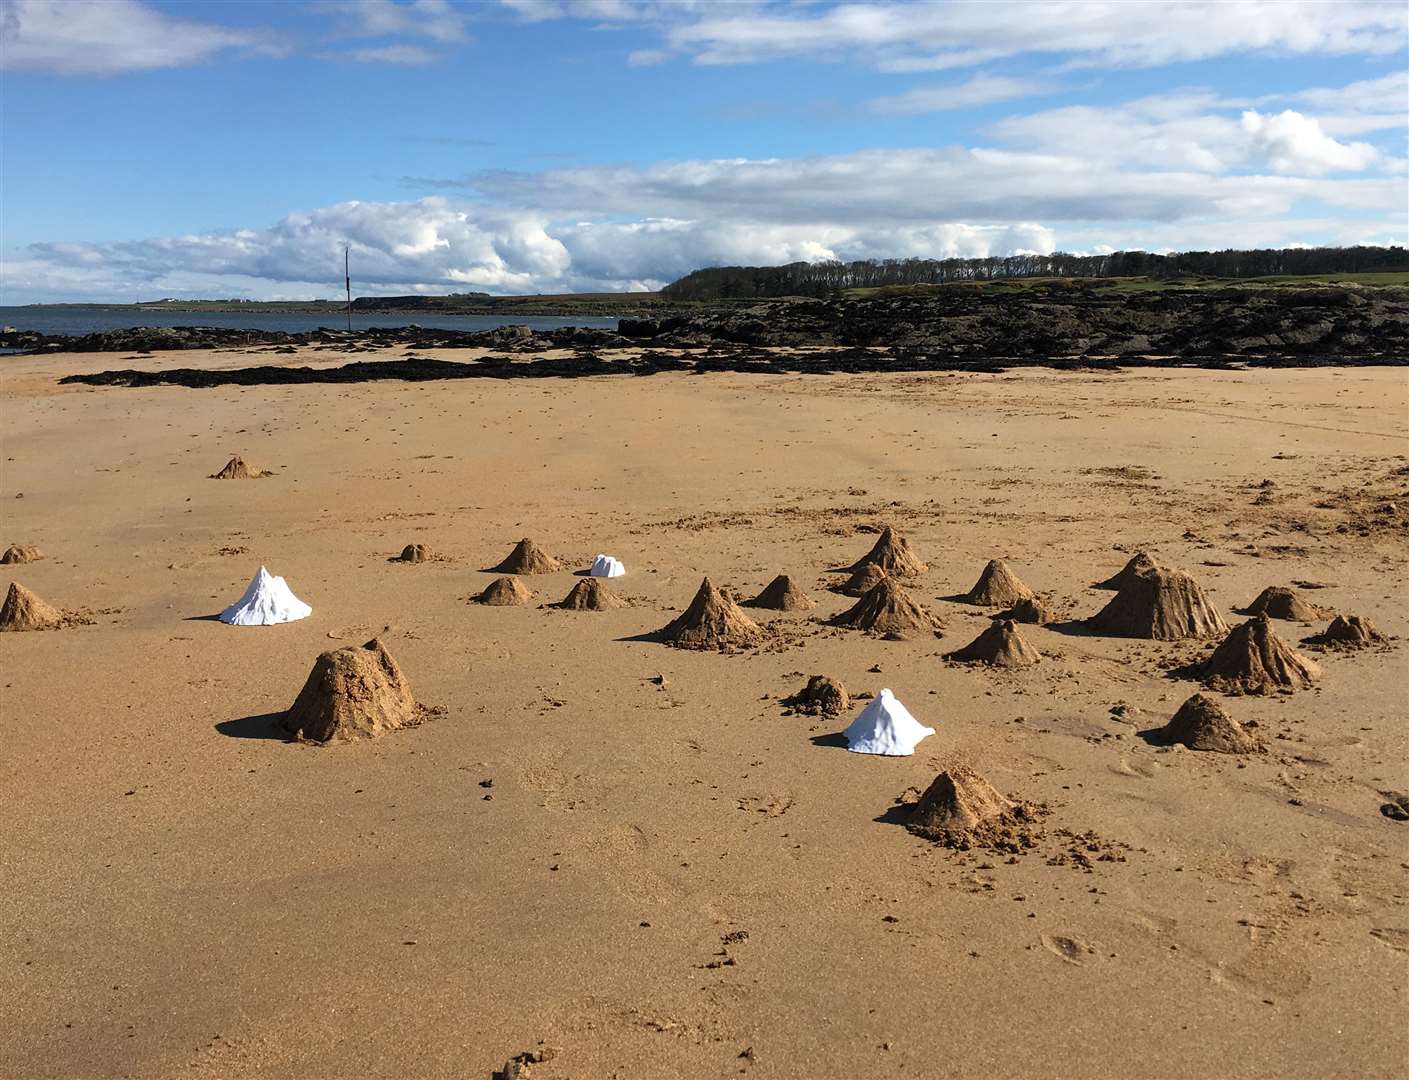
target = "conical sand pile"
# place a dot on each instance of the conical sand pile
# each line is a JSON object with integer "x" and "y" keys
{"x": 820, "y": 697}
{"x": 505, "y": 592}
{"x": 712, "y": 621}
{"x": 1031, "y": 611}
{"x": 782, "y": 594}
{"x": 958, "y": 801}
{"x": 414, "y": 553}
{"x": 1348, "y": 632}
{"x": 1278, "y": 602}
{"x": 528, "y": 558}
{"x": 21, "y": 553}
{"x": 591, "y": 594}
{"x": 23, "y": 610}
{"x": 1252, "y": 659}
{"x": 357, "y": 692}
{"x": 999, "y": 646}
{"x": 893, "y": 555}
{"x": 237, "y": 469}
{"x": 998, "y": 586}
{"x": 267, "y": 601}
{"x": 1165, "y": 605}
{"x": 885, "y": 727}
{"x": 863, "y": 580}
{"x": 1201, "y": 724}
{"x": 887, "y": 609}
{"x": 1140, "y": 563}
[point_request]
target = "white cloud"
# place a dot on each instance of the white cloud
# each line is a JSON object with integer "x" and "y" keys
{"x": 1293, "y": 143}
{"x": 979, "y": 90}
{"x": 438, "y": 20}
{"x": 113, "y": 37}
{"x": 647, "y": 57}
{"x": 407, "y": 55}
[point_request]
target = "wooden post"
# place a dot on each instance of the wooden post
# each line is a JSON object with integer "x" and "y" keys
{"x": 347, "y": 280}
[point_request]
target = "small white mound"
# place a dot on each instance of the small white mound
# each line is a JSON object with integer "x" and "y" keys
{"x": 606, "y": 566}
{"x": 266, "y": 602}
{"x": 885, "y": 727}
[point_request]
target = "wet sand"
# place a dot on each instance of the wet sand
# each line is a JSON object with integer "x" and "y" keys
{"x": 185, "y": 896}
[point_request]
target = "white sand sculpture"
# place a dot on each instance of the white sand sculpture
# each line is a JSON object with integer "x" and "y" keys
{"x": 606, "y": 566}
{"x": 885, "y": 727}
{"x": 266, "y": 602}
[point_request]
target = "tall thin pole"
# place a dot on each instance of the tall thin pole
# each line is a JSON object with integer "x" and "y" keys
{"x": 347, "y": 280}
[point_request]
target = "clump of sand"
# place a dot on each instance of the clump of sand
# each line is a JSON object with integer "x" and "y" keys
{"x": 505, "y": 592}
{"x": 1031, "y": 611}
{"x": 237, "y": 469}
{"x": 1347, "y": 632}
{"x": 887, "y": 609}
{"x": 357, "y": 692}
{"x": 862, "y": 581}
{"x": 1279, "y": 602}
{"x": 1165, "y": 605}
{"x": 1252, "y": 659}
{"x": 782, "y": 594}
{"x": 23, "y": 610}
{"x": 1001, "y": 645}
{"x": 21, "y": 553}
{"x": 414, "y": 553}
{"x": 962, "y": 810}
{"x": 822, "y": 696}
{"x": 712, "y": 621}
{"x": 1140, "y": 563}
{"x": 590, "y": 594}
{"x": 528, "y": 558}
{"x": 1201, "y": 724}
{"x": 998, "y": 586}
{"x": 893, "y": 555}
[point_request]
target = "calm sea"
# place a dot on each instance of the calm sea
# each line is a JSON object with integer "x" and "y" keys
{"x": 88, "y": 320}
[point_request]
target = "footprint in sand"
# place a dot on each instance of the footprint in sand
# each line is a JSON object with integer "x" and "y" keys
{"x": 1396, "y": 937}
{"x": 1074, "y": 950}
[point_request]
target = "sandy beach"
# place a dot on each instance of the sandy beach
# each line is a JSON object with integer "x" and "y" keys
{"x": 633, "y": 860}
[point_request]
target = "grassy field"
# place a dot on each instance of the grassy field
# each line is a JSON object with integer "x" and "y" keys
{"x": 1388, "y": 279}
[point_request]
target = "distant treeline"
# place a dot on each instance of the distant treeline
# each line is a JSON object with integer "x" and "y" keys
{"x": 826, "y": 278}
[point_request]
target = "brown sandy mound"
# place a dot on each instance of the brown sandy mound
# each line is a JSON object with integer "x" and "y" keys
{"x": 998, "y": 586}
{"x": 820, "y": 697}
{"x": 887, "y": 609}
{"x": 414, "y": 553}
{"x": 505, "y": 592}
{"x": 712, "y": 621}
{"x": 1201, "y": 724}
{"x": 1166, "y": 605}
{"x": 863, "y": 580}
{"x": 1278, "y": 602}
{"x": 1031, "y": 611}
{"x": 893, "y": 555}
{"x": 999, "y": 646}
{"x": 1140, "y": 563}
{"x": 590, "y": 594}
{"x": 357, "y": 692}
{"x": 236, "y": 469}
{"x": 963, "y": 810}
{"x": 782, "y": 594}
{"x": 21, "y": 553}
{"x": 1252, "y": 659}
{"x": 1347, "y": 632}
{"x": 25, "y": 611}
{"x": 528, "y": 558}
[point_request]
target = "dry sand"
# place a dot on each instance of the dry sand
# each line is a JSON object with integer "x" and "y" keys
{"x": 668, "y": 877}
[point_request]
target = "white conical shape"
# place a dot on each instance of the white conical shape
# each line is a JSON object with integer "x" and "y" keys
{"x": 606, "y": 566}
{"x": 267, "y": 601}
{"x": 885, "y": 727}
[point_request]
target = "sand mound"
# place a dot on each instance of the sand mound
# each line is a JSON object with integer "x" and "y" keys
{"x": 1347, "y": 632}
{"x": 1031, "y": 611}
{"x": 999, "y": 646}
{"x": 267, "y": 601}
{"x": 863, "y": 580}
{"x": 590, "y": 594}
{"x": 527, "y": 558}
{"x": 820, "y": 697}
{"x": 885, "y": 727}
{"x": 357, "y": 692}
{"x": 893, "y": 555}
{"x": 236, "y": 469}
{"x": 1166, "y": 605}
{"x": 782, "y": 594}
{"x": 998, "y": 586}
{"x": 959, "y": 800}
{"x": 1201, "y": 724}
{"x": 505, "y": 592}
{"x": 712, "y": 621}
{"x": 23, "y": 610}
{"x": 1278, "y": 602}
{"x": 887, "y": 609}
{"x": 414, "y": 553}
{"x": 21, "y": 553}
{"x": 1252, "y": 659}
{"x": 1140, "y": 563}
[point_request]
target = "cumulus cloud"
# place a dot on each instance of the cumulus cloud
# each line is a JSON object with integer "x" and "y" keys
{"x": 113, "y": 37}
{"x": 1293, "y": 143}
{"x": 438, "y": 20}
{"x": 405, "y": 55}
{"x": 979, "y": 90}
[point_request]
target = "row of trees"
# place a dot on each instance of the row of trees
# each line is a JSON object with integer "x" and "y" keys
{"x": 826, "y": 278}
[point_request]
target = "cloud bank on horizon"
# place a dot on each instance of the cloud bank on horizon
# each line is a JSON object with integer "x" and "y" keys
{"x": 929, "y": 130}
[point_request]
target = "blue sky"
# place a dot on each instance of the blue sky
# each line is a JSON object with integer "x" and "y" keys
{"x": 230, "y": 149}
